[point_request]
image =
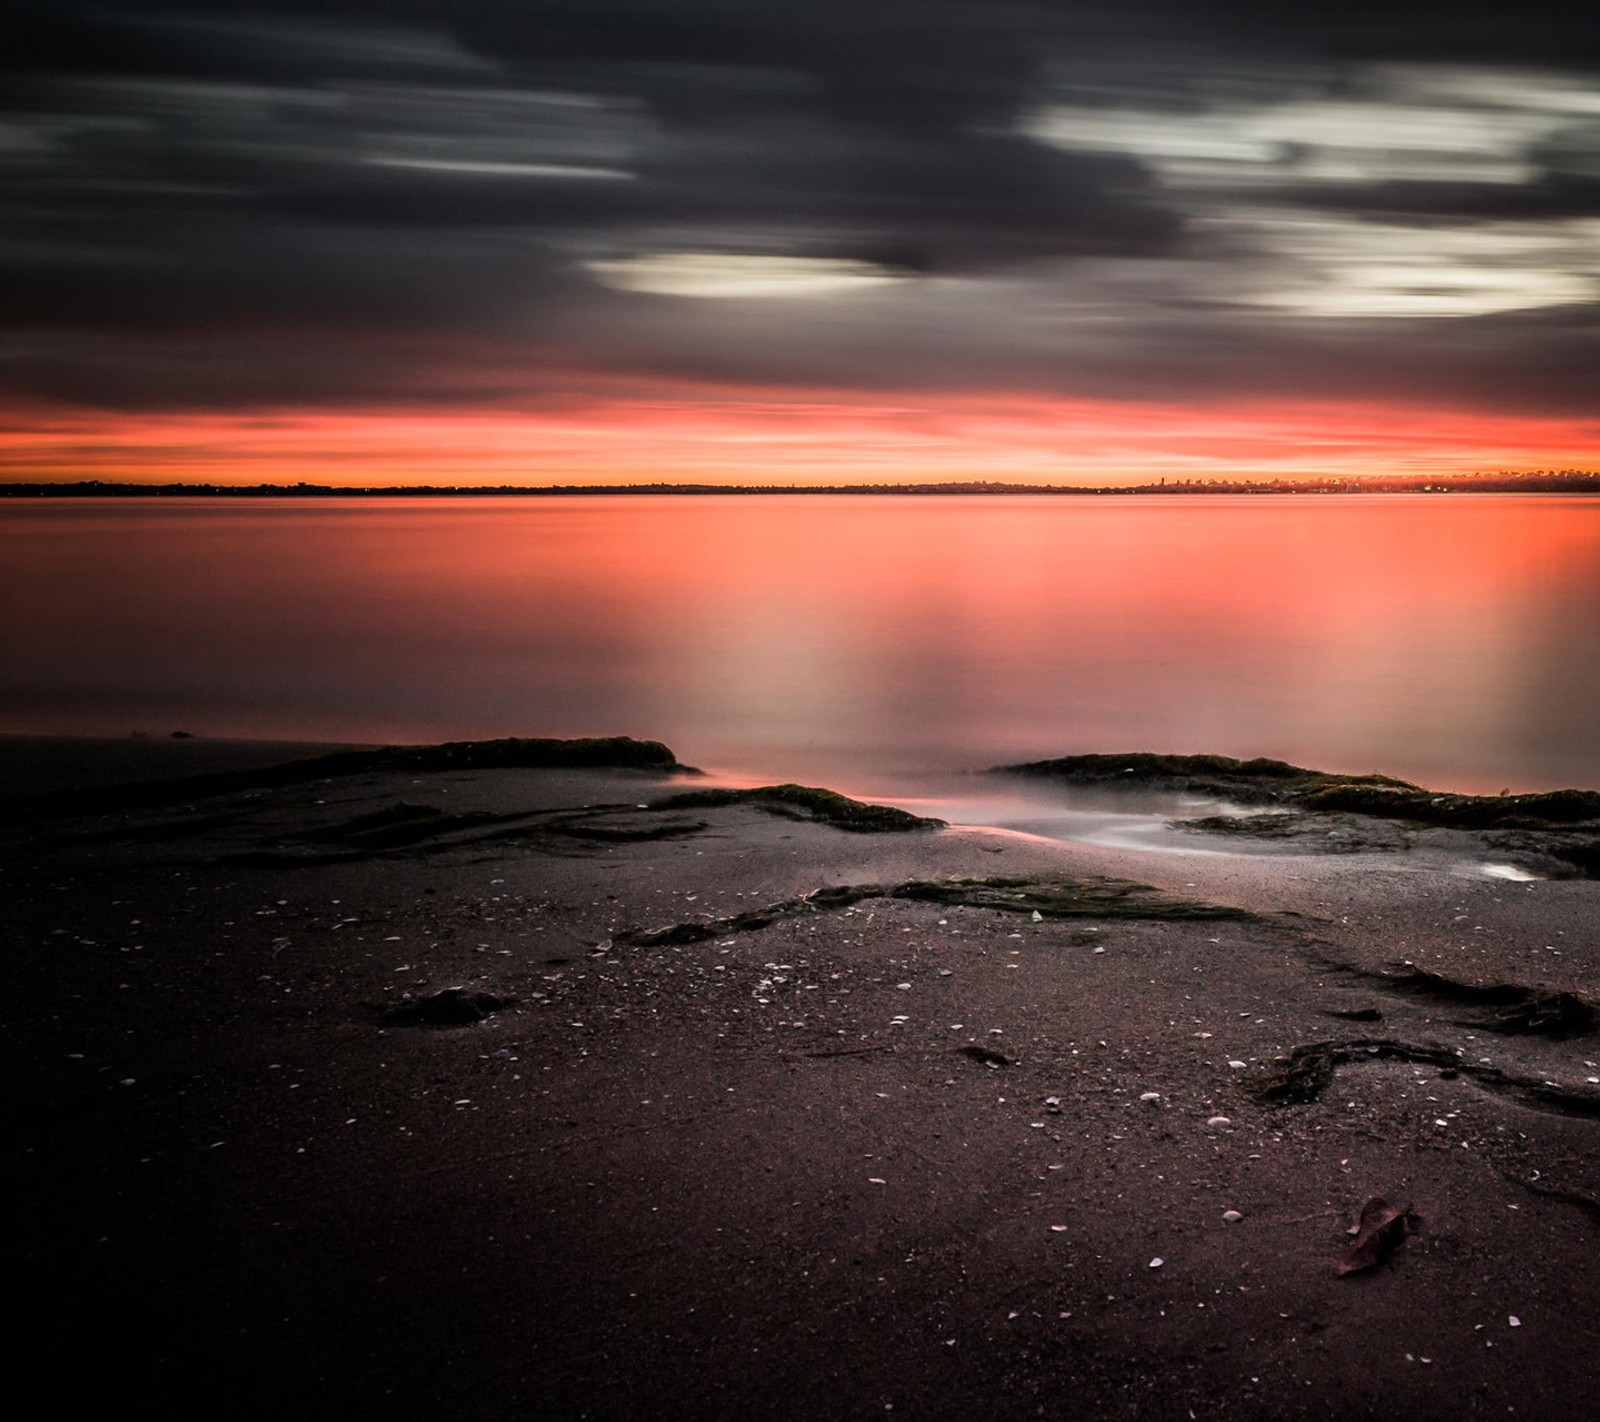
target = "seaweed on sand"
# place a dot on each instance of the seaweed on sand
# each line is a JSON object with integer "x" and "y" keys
{"x": 425, "y": 829}
{"x": 1049, "y": 899}
{"x": 807, "y": 803}
{"x": 1301, "y": 1076}
{"x": 988, "y": 1056}
{"x": 588, "y": 826}
{"x": 1521, "y": 1011}
{"x": 397, "y": 826}
{"x": 1382, "y": 1229}
{"x": 1058, "y": 899}
{"x": 701, "y": 931}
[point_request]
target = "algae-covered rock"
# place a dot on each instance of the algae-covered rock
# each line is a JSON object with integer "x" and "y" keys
{"x": 1275, "y": 782}
{"x": 1259, "y": 781}
{"x": 510, "y": 753}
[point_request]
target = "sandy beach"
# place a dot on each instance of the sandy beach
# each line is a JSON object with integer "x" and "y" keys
{"x": 469, "y": 1089}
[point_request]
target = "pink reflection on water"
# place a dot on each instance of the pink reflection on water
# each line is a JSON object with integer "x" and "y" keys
{"x": 1444, "y": 639}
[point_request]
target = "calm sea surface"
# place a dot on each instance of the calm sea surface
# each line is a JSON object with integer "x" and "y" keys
{"x": 841, "y": 640}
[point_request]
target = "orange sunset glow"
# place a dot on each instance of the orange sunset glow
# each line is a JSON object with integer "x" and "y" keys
{"x": 822, "y": 437}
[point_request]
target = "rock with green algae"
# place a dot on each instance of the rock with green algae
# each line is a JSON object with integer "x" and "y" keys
{"x": 508, "y": 753}
{"x": 1276, "y": 782}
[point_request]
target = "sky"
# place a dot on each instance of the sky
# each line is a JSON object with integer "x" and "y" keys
{"x": 734, "y": 241}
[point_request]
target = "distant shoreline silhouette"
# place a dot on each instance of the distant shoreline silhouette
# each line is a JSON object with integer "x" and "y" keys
{"x": 1542, "y": 481}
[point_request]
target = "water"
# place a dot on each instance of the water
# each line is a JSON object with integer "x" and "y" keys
{"x": 840, "y": 640}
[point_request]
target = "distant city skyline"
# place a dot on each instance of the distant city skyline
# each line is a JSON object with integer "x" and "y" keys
{"x": 1552, "y": 481}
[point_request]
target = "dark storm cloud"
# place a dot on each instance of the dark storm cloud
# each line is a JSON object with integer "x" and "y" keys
{"x": 1548, "y": 195}
{"x": 1548, "y": 32}
{"x": 1142, "y": 199}
{"x": 919, "y": 203}
{"x": 246, "y": 43}
{"x": 910, "y": 64}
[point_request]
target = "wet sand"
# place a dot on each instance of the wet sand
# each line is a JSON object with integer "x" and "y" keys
{"x": 913, "y": 1151}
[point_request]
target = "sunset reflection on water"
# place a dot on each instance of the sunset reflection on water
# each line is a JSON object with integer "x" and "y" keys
{"x": 832, "y": 638}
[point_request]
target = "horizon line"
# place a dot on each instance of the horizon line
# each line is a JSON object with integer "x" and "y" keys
{"x": 1541, "y": 480}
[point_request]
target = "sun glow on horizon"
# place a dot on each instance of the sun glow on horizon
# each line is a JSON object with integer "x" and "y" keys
{"x": 822, "y": 437}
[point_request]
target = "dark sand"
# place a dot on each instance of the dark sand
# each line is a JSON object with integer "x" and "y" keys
{"x": 759, "y": 1175}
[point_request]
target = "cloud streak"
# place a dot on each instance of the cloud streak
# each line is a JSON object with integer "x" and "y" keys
{"x": 486, "y": 207}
